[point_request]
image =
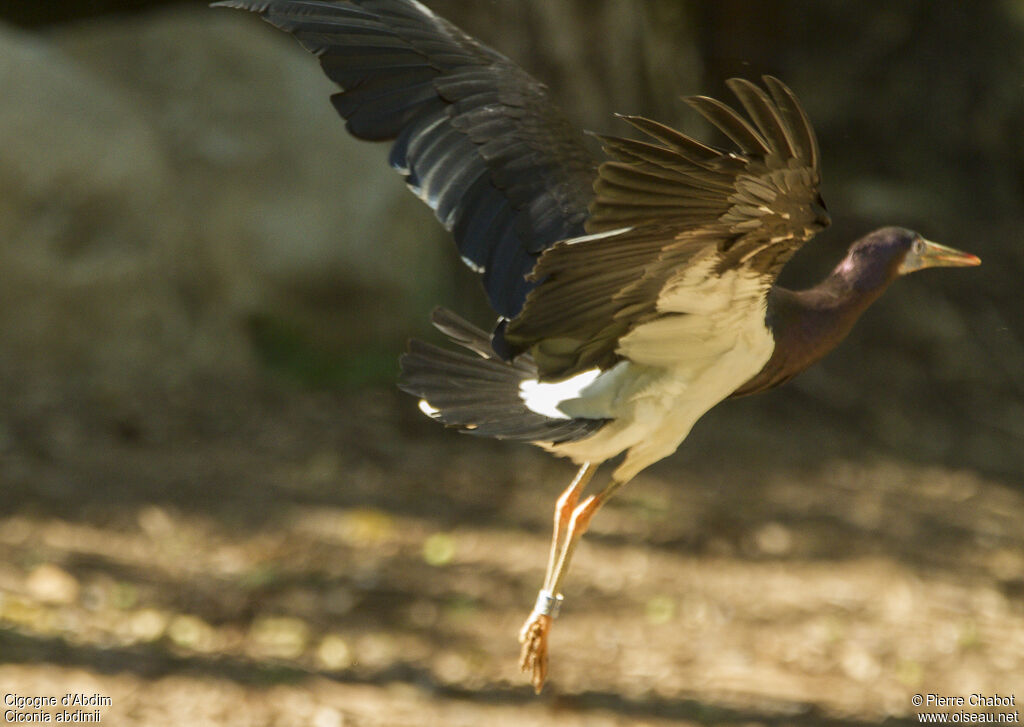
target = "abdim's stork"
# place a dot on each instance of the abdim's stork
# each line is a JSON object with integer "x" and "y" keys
{"x": 633, "y": 293}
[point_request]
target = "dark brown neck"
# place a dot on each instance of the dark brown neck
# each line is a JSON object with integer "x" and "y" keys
{"x": 807, "y": 324}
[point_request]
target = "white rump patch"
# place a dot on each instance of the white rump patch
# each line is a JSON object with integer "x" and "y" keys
{"x": 545, "y": 397}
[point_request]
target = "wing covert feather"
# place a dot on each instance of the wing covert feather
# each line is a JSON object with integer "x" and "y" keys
{"x": 662, "y": 208}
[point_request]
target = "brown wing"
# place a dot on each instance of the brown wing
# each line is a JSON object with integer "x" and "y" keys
{"x": 672, "y": 215}
{"x": 476, "y": 137}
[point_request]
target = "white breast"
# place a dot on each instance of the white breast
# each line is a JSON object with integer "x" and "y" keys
{"x": 712, "y": 340}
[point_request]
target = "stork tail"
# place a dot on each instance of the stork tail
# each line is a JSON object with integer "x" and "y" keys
{"x": 479, "y": 393}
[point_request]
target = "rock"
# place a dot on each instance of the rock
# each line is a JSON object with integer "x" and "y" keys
{"x": 84, "y": 220}
{"x": 283, "y": 212}
{"x": 172, "y": 177}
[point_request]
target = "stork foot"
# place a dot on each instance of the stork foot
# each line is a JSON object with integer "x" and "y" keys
{"x": 533, "y": 659}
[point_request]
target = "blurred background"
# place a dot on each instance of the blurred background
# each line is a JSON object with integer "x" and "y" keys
{"x": 217, "y": 509}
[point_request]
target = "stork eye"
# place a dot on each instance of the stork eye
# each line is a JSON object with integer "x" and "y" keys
{"x": 918, "y": 246}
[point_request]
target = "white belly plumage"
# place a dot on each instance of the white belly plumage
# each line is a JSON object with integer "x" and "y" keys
{"x": 675, "y": 369}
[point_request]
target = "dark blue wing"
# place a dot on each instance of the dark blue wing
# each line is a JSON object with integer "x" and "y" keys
{"x": 475, "y": 136}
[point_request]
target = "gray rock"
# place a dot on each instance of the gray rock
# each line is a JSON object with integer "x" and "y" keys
{"x": 285, "y": 214}
{"x": 167, "y": 179}
{"x": 87, "y": 206}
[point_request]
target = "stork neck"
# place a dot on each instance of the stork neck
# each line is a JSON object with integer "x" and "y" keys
{"x": 815, "y": 320}
{"x": 808, "y": 324}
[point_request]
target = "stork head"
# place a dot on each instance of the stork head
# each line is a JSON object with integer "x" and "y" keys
{"x": 877, "y": 259}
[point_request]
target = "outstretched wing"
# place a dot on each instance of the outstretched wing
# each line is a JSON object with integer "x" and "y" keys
{"x": 677, "y": 228}
{"x": 475, "y": 136}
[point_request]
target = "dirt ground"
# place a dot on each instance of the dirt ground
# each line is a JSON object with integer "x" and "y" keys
{"x": 274, "y": 556}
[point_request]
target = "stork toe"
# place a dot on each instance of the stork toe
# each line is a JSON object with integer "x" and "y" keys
{"x": 533, "y": 658}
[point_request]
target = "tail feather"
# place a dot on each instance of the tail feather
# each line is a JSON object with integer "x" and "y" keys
{"x": 478, "y": 392}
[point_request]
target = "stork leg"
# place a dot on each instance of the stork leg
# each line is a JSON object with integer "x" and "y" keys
{"x": 534, "y": 634}
{"x": 571, "y": 521}
{"x": 563, "y": 511}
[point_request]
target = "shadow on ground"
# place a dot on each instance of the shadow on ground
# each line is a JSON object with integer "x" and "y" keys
{"x": 282, "y": 556}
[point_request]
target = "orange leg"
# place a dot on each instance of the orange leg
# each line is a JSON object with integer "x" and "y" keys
{"x": 534, "y": 634}
{"x": 563, "y": 511}
{"x": 571, "y": 521}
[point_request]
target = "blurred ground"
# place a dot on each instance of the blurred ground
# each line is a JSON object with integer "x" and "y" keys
{"x": 267, "y": 556}
{"x": 217, "y": 510}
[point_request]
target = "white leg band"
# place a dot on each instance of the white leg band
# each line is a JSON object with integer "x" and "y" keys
{"x": 548, "y": 604}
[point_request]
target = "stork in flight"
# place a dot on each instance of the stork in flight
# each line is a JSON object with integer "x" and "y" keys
{"x": 634, "y": 292}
